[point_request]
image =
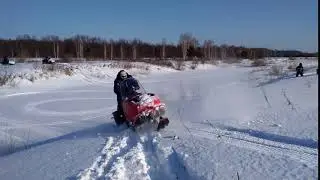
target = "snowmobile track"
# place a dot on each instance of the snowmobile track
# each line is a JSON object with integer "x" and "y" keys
{"x": 304, "y": 154}
{"x": 133, "y": 156}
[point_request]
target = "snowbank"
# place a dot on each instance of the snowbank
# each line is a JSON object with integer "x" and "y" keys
{"x": 34, "y": 73}
{"x": 26, "y": 74}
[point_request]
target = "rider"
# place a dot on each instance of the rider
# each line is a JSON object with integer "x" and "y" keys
{"x": 128, "y": 89}
{"x": 121, "y": 76}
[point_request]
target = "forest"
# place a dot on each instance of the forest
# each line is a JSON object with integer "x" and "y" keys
{"x": 92, "y": 48}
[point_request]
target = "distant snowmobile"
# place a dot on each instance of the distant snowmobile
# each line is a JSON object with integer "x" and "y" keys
{"x": 140, "y": 108}
{"x": 47, "y": 60}
{"x": 7, "y": 61}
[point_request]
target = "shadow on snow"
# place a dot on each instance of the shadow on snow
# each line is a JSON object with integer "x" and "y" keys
{"x": 310, "y": 143}
{"x": 277, "y": 138}
{"x": 99, "y": 130}
{"x": 274, "y": 80}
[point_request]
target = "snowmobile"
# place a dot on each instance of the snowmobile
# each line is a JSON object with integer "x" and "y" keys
{"x": 7, "y": 61}
{"x": 47, "y": 60}
{"x": 140, "y": 108}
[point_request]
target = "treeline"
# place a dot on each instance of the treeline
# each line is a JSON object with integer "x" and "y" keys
{"x": 82, "y": 46}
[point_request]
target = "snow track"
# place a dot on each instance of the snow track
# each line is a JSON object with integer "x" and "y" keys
{"x": 132, "y": 156}
{"x": 302, "y": 152}
{"x": 64, "y": 108}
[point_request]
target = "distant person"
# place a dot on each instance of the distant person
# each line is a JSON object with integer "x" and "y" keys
{"x": 45, "y": 60}
{"x": 299, "y": 70}
{"x": 5, "y": 60}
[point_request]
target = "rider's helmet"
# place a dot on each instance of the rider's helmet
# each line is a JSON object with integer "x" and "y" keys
{"x": 123, "y": 75}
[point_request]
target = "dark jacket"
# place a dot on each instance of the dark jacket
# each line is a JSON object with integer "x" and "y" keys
{"x": 299, "y": 68}
{"x": 116, "y": 85}
{"x": 5, "y": 60}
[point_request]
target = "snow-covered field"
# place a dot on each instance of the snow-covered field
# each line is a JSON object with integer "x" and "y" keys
{"x": 226, "y": 122}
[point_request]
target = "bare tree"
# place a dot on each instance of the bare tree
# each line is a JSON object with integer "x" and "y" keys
{"x": 205, "y": 49}
{"x": 163, "y": 48}
{"x": 55, "y": 44}
{"x": 208, "y": 49}
{"x": 79, "y": 48}
{"x": 252, "y": 54}
{"x": 266, "y": 53}
{"x": 77, "y": 42}
{"x": 20, "y": 39}
{"x": 121, "y": 51}
{"x": 57, "y": 49}
{"x": 215, "y": 49}
{"x": 80, "y": 41}
{"x": 37, "y": 53}
{"x": 111, "y": 49}
{"x": 105, "y": 50}
{"x": 185, "y": 41}
{"x": 223, "y": 48}
{"x": 134, "y": 49}
{"x": 12, "y": 52}
{"x": 231, "y": 51}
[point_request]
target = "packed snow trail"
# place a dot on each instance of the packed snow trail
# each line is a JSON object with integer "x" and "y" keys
{"x": 133, "y": 155}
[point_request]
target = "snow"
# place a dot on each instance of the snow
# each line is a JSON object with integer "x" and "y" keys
{"x": 226, "y": 121}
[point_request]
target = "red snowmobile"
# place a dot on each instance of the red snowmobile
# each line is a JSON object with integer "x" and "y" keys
{"x": 139, "y": 107}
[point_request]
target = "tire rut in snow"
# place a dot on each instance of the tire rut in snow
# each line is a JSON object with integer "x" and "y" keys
{"x": 131, "y": 156}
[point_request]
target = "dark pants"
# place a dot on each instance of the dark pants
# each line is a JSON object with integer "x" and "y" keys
{"x": 299, "y": 73}
{"x": 119, "y": 107}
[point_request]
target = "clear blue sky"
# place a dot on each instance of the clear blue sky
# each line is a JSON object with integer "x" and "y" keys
{"x": 279, "y": 24}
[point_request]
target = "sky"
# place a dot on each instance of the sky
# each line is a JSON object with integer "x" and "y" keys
{"x": 275, "y": 24}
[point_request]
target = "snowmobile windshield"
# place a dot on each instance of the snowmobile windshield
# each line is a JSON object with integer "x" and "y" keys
{"x": 130, "y": 88}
